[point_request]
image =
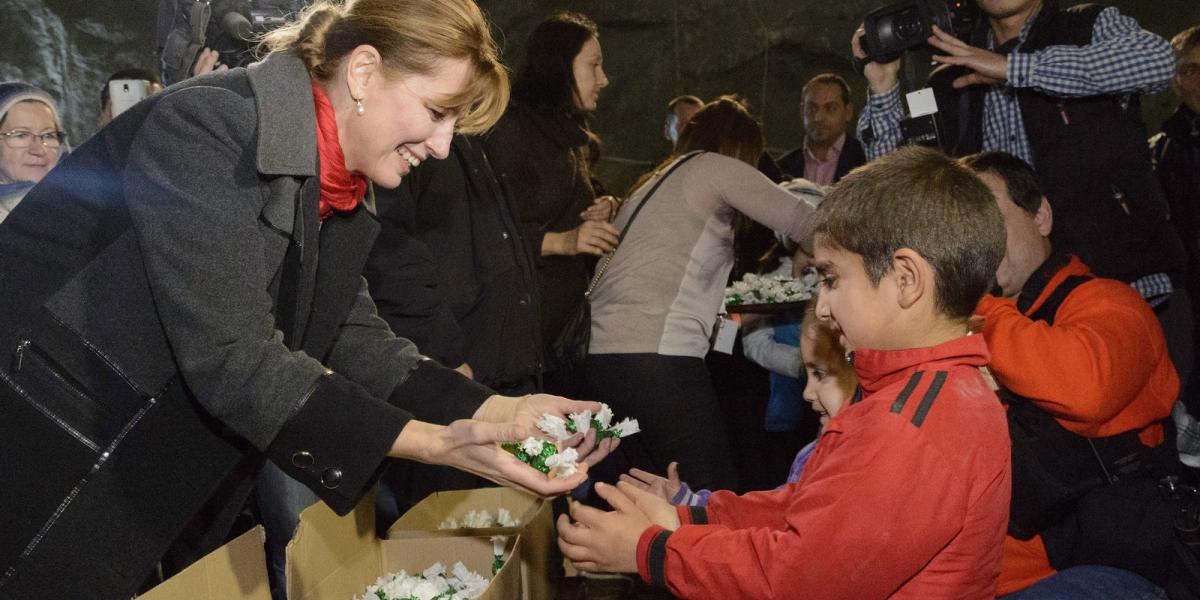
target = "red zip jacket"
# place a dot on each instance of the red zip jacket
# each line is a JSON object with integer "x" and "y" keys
{"x": 905, "y": 496}
{"x": 1101, "y": 369}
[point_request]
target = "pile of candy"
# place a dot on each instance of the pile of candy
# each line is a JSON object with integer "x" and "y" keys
{"x": 432, "y": 584}
{"x": 544, "y": 455}
{"x": 481, "y": 519}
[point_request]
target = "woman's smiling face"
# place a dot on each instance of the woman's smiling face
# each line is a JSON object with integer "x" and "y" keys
{"x": 403, "y": 122}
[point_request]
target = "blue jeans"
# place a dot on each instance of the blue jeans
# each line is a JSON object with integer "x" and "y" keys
{"x": 280, "y": 501}
{"x": 1091, "y": 582}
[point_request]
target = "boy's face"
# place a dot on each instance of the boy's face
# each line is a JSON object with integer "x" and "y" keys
{"x": 861, "y": 311}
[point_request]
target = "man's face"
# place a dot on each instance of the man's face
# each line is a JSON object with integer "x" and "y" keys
{"x": 826, "y": 114}
{"x": 1186, "y": 82}
{"x": 1026, "y": 246}
{"x": 1001, "y": 9}
{"x": 854, "y": 306}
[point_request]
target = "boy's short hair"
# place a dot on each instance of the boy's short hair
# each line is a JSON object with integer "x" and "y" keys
{"x": 1185, "y": 40}
{"x": 920, "y": 199}
{"x": 1016, "y": 174}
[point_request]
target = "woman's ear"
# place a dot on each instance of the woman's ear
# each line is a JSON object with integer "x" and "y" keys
{"x": 912, "y": 275}
{"x": 364, "y": 69}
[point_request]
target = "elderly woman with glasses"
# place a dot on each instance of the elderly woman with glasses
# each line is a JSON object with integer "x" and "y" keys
{"x": 31, "y": 138}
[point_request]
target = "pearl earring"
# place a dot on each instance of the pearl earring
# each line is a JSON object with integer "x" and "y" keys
{"x": 358, "y": 107}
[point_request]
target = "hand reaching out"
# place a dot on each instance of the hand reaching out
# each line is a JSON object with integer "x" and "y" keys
{"x": 474, "y": 447}
{"x": 662, "y": 487}
{"x": 596, "y": 540}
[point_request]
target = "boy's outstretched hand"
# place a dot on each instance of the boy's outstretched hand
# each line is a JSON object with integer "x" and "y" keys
{"x": 607, "y": 541}
{"x": 663, "y": 487}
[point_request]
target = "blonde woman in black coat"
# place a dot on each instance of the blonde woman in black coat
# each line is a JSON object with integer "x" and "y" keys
{"x": 183, "y": 301}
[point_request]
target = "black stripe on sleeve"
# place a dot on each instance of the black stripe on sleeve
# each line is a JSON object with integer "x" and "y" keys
{"x": 938, "y": 380}
{"x": 913, "y": 381}
{"x": 698, "y": 515}
{"x": 656, "y": 558}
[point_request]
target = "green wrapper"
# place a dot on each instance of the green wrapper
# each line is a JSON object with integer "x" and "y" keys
{"x": 601, "y": 433}
{"x": 538, "y": 462}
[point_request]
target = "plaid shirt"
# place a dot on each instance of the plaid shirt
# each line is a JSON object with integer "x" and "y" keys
{"x": 1122, "y": 58}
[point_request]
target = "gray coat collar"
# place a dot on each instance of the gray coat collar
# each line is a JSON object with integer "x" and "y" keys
{"x": 287, "y": 118}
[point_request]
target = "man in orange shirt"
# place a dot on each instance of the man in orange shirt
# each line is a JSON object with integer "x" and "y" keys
{"x": 1086, "y": 358}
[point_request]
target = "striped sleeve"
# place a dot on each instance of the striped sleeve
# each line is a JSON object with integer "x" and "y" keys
{"x": 1122, "y": 58}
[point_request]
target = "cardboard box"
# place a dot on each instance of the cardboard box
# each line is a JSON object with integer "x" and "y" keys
{"x": 540, "y": 561}
{"x": 235, "y": 571}
{"x": 336, "y": 558}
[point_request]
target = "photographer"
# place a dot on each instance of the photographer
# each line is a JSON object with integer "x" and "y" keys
{"x": 1058, "y": 88}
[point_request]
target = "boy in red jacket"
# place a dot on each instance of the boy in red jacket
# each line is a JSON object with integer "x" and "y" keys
{"x": 907, "y": 492}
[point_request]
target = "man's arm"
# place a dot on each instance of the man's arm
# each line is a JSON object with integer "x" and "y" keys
{"x": 879, "y": 123}
{"x": 1122, "y": 58}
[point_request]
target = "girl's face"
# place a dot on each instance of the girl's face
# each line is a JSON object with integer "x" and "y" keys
{"x": 822, "y": 389}
{"x": 589, "y": 75}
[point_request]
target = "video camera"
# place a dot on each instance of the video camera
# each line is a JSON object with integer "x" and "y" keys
{"x": 892, "y": 29}
{"x": 231, "y": 27}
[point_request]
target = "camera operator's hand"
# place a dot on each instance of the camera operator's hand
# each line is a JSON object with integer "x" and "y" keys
{"x": 207, "y": 62}
{"x": 989, "y": 68}
{"x": 881, "y": 77}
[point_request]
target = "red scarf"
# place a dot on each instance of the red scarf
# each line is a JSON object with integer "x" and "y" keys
{"x": 340, "y": 190}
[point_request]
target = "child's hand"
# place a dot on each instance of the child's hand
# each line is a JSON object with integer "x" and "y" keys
{"x": 603, "y": 541}
{"x": 665, "y": 488}
{"x": 659, "y": 511}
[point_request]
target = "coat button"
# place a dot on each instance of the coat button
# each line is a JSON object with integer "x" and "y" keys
{"x": 331, "y": 478}
{"x": 302, "y": 459}
{"x": 504, "y": 235}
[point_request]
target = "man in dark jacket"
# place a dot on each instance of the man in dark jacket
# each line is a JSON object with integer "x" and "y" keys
{"x": 828, "y": 152}
{"x": 1176, "y": 153}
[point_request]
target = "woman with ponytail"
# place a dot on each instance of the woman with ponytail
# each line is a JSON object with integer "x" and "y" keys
{"x": 183, "y": 302}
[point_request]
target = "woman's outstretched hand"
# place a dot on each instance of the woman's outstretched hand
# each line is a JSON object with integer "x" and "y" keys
{"x": 474, "y": 446}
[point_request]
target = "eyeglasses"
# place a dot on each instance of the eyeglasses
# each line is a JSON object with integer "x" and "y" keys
{"x": 19, "y": 139}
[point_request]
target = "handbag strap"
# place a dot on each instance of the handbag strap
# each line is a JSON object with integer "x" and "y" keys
{"x": 608, "y": 257}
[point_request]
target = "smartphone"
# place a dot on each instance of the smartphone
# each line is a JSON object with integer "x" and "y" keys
{"x": 124, "y": 93}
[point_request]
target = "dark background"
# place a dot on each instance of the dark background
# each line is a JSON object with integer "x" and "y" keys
{"x": 654, "y": 50}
